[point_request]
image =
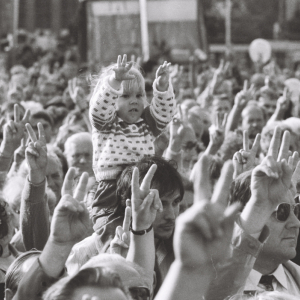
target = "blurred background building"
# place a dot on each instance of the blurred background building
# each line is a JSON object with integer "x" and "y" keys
{"x": 175, "y": 28}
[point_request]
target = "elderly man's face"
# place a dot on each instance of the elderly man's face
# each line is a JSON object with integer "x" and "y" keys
{"x": 79, "y": 154}
{"x": 164, "y": 223}
{"x": 281, "y": 244}
{"x": 253, "y": 121}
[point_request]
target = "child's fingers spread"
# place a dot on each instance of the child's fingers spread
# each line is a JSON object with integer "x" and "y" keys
{"x": 26, "y": 116}
{"x": 31, "y": 133}
{"x": 12, "y": 126}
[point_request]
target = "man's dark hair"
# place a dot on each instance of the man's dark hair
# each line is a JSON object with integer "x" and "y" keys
{"x": 166, "y": 178}
{"x": 241, "y": 189}
{"x": 42, "y": 115}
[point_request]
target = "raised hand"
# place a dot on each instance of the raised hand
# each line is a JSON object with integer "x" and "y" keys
{"x": 145, "y": 202}
{"x": 271, "y": 180}
{"x": 284, "y": 101}
{"x": 77, "y": 94}
{"x": 219, "y": 76}
{"x": 244, "y": 96}
{"x": 70, "y": 222}
{"x": 162, "y": 77}
{"x": 120, "y": 243}
{"x": 244, "y": 159}
{"x": 122, "y": 69}
{"x": 203, "y": 233}
{"x": 216, "y": 134}
{"x": 36, "y": 154}
{"x": 13, "y": 132}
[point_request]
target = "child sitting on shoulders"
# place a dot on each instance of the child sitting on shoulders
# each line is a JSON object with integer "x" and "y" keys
{"x": 124, "y": 128}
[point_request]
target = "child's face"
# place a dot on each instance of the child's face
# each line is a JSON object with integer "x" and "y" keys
{"x": 130, "y": 105}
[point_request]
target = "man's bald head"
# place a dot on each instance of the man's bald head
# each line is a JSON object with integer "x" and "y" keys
{"x": 79, "y": 152}
{"x": 253, "y": 120}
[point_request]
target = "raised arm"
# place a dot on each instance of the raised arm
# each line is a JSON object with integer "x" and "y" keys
{"x": 281, "y": 106}
{"x": 163, "y": 105}
{"x": 102, "y": 103}
{"x": 240, "y": 102}
{"x": 34, "y": 212}
{"x": 145, "y": 203}
{"x": 69, "y": 225}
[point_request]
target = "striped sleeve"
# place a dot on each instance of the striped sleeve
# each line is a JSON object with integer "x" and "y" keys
{"x": 102, "y": 105}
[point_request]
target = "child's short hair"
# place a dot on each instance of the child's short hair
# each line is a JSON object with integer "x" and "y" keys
{"x": 128, "y": 85}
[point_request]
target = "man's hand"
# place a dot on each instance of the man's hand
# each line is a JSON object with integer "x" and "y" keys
{"x": 13, "y": 133}
{"x": 70, "y": 222}
{"x": 163, "y": 76}
{"x": 120, "y": 243}
{"x": 36, "y": 155}
{"x": 203, "y": 233}
{"x": 216, "y": 134}
{"x": 244, "y": 96}
{"x": 145, "y": 202}
{"x": 219, "y": 76}
{"x": 271, "y": 180}
{"x": 244, "y": 159}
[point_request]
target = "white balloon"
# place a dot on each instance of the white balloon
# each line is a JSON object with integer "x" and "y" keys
{"x": 260, "y": 50}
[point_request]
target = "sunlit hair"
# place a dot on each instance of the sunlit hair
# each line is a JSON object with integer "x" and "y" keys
{"x": 137, "y": 84}
{"x": 93, "y": 277}
{"x": 274, "y": 295}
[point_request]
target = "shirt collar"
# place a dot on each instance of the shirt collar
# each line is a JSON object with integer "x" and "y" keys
{"x": 280, "y": 276}
{"x": 254, "y": 278}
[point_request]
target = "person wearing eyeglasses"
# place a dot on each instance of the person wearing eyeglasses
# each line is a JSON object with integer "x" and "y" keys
{"x": 268, "y": 226}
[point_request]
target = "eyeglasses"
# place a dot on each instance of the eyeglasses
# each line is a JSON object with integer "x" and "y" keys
{"x": 139, "y": 293}
{"x": 283, "y": 210}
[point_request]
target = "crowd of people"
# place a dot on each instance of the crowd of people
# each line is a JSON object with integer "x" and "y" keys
{"x": 148, "y": 181}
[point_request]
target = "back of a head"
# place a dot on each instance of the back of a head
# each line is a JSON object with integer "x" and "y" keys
{"x": 18, "y": 269}
{"x": 97, "y": 277}
{"x": 166, "y": 177}
{"x": 241, "y": 189}
{"x": 80, "y": 137}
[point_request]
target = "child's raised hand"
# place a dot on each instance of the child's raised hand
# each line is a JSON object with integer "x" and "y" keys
{"x": 162, "y": 77}
{"x": 122, "y": 69}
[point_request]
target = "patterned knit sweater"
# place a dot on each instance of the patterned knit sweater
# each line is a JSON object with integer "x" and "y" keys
{"x": 117, "y": 143}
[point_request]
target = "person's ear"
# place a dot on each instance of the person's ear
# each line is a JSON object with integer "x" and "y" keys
{"x": 9, "y": 294}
